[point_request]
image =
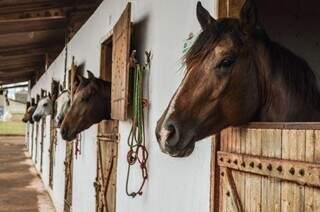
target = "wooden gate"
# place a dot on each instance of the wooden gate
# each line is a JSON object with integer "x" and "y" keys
{"x": 32, "y": 130}
{"x": 69, "y": 152}
{"x": 107, "y": 141}
{"x": 105, "y": 184}
{"x": 270, "y": 167}
{"x": 37, "y": 135}
{"x": 42, "y": 137}
{"x": 53, "y": 132}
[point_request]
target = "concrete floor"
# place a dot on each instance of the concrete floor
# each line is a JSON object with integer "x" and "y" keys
{"x": 21, "y": 189}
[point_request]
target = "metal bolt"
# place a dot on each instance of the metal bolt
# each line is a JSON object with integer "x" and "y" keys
{"x": 301, "y": 172}
{"x": 221, "y": 159}
{"x": 279, "y": 168}
{"x": 292, "y": 171}
{"x": 269, "y": 167}
{"x": 243, "y": 164}
{"x": 229, "y": 161}
{"x": 260, "y": 166}
{"x": 228, "y": 193}
{"x": 252, "y": 164}
{"x": 235, "y": 162}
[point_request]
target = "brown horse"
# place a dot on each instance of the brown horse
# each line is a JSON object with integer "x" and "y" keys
{"x": 27, "y": 117}
{"x": 91, "y": 104}
{"x": 235, "y": 74}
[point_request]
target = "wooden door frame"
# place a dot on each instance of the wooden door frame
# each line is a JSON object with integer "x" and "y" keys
{"x": 106, "y": 137}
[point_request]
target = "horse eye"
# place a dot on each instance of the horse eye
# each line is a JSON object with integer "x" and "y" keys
{"x": 226, "y": 63}
{"x": 45, "y": 104}
{"x": 86, "y": 98}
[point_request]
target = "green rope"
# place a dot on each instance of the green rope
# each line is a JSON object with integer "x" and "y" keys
{"x": 136, "y": 139}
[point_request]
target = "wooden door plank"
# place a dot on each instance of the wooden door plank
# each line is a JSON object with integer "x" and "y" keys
{"x": 248, "y": 177}
{"x": 317, "y": 160}
{"x": 120, "y": 66}
{"x": 299, "y": 190}
{"x": 309, "y": 151}
{"x": 289, "y": 190}
{"x": 255, "y": 179}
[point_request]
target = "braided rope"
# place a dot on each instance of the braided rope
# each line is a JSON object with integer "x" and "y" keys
{"x": 138, "y": 153}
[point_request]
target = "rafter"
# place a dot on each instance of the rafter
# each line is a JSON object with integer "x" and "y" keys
{"x": 32, "y": 24}
{"x": 30, "y": 50}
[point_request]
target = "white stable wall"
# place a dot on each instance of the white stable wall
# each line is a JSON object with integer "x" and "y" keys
{"x": 174, "y": 184}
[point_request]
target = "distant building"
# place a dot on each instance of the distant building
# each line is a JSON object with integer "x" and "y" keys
{"x": 16, "y": 107}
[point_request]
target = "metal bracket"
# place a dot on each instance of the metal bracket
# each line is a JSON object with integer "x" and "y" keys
{"x": 109, "y": 137}
{"x": 302, "y": 173}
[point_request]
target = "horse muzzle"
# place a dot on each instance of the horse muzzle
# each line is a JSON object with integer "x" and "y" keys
{"x": 172, "y": 141}
{"x": 36, "y": 118}
{"x": 67, "y": 134}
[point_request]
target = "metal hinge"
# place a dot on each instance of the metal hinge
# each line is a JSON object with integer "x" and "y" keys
{"x": 109, "y": 137}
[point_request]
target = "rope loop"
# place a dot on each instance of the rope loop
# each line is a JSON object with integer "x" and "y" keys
{"x": 136, "y": 139}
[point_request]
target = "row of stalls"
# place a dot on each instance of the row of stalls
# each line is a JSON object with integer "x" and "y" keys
{"x": 72, "y": 171}
{"x": 237, "y": 170}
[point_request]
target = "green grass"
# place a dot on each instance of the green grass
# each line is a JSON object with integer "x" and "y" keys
{"x": 12, "y": 128}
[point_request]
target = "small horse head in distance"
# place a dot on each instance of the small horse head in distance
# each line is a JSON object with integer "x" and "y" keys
{"x": 235, "y": 74}
{"x": 62, "y": 103}
{"x": 43, "y": 109}
{"x": 91, "y": 104}
{"x": 27, "y": 117}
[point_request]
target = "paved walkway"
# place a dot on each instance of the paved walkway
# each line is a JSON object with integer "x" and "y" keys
{"x": 20, "y": 187}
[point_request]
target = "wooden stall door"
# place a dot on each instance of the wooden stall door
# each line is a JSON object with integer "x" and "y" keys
{"x": 42, "y": 137}
{"x": 120, "y": 66}
{"x": 107, "y": 142}
{"x": 269, "y": 170}
{"x": 105, "y": 184}
{"x": 69, "y": 152}
{"x": 53, "y": 132}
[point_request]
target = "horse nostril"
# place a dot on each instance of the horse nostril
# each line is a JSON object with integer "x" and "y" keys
{"x": 173, "y": 134}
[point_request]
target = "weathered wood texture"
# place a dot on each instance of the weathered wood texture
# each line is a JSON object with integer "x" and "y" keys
{"x": 107, "y": 145}
{"x": 53, "y": 133}
{"x": 272, "y": 169}
{"x": 105, "y": 184}
{"x": 120, "y": 66}
{"x": 69, "y": 151}
{"x": 34, "y": 26}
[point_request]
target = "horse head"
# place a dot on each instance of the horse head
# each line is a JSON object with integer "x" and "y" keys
{"x": 63, "y": 104}
{"x": 27, "y": 117}
{"x": 90, "y": 104}
{"x": 43, "y": 109}
{"x": 220, "y": 87}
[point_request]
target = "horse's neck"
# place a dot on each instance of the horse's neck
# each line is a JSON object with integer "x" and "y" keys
{"x": 282, "y": 100}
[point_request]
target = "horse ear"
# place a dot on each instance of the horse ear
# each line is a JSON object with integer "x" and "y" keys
{"x": 90, "y": 75}
{"x": 79, "y": 79}
{"x": 249, "y": 16}
{"x": 49, "y": 95}
{"x": 204, "y": 17}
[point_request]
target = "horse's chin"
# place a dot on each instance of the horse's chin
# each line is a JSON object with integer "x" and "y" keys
{"x": 69, "y": 138}
{"x": 187, "y": 151}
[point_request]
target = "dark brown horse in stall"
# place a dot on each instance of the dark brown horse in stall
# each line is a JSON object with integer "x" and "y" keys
{"x": 91, "y": 104}
{"x": 236, "y": 74}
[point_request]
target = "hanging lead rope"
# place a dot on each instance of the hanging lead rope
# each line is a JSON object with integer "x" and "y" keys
{"x": 136, "y": 140}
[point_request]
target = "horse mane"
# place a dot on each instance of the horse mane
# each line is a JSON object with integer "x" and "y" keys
{"x": 293, "y": 70}
{"x": 295, "y": 73}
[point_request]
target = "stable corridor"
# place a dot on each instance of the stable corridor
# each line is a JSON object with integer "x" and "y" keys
{"x": 21, "y": 189}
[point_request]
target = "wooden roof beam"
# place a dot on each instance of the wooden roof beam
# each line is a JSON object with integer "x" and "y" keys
{"x": 30, "y": 50}
{"x": 20, "y": 70}
{"x": 33, "y": 24}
